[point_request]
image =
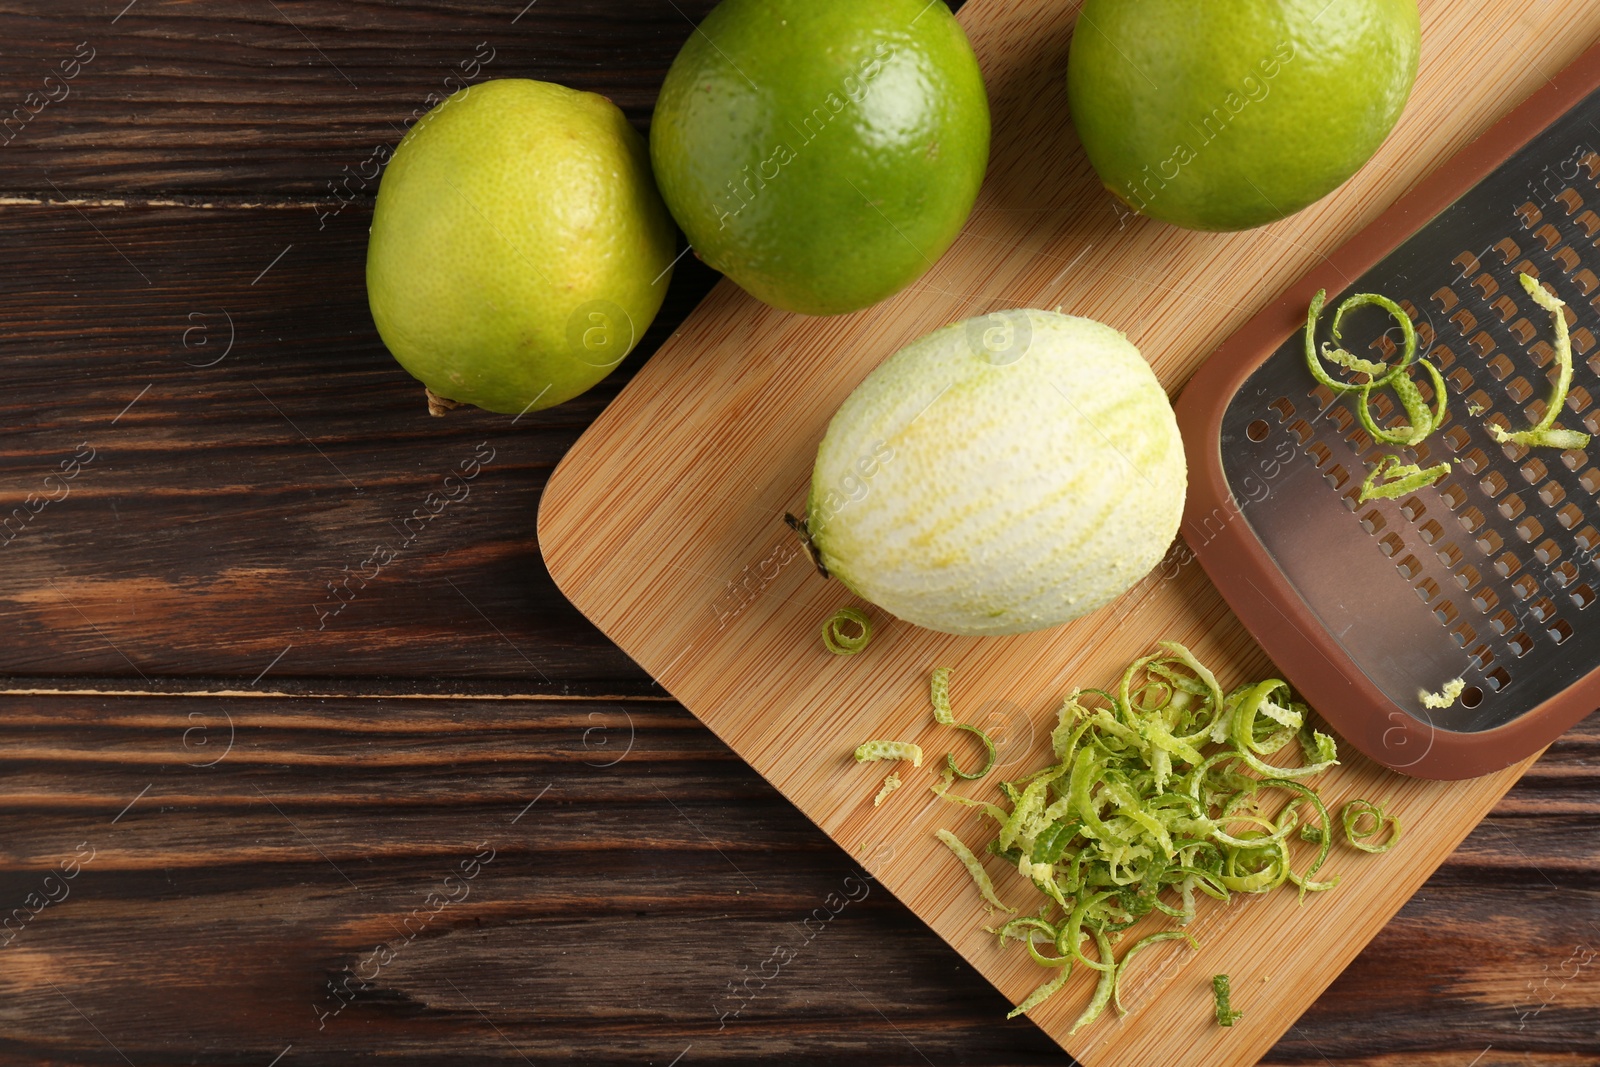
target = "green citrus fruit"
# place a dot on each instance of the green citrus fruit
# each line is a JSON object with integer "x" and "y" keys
{"x": 1228, "y": 114}
{"x": 822, "y": 153}
{"x": 519, "y": 247}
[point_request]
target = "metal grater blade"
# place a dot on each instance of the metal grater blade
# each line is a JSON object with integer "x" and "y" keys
{"x": 1491, "y": 573}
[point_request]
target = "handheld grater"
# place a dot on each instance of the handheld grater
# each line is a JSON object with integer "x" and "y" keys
{"x": 1492, "y": 573}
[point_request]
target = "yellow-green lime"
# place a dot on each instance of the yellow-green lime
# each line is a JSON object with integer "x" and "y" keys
{"x": 519, "y": 247}
{"x": 822, "y": 153}
{"x": 1228, "y": 114}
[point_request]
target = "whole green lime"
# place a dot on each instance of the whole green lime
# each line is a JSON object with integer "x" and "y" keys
{"x": 519, "y": 247}
{"x": 1228, "y": 114}
{"x": 822, "y": 153}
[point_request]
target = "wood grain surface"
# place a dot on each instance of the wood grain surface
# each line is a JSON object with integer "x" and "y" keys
{"x": 628, "y": 914}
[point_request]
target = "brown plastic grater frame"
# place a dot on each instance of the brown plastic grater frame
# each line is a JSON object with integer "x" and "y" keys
{"x": 1241, "y": 565}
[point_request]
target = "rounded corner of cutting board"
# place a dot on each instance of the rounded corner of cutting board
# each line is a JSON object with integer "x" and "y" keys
{"x": 557, "y": 524}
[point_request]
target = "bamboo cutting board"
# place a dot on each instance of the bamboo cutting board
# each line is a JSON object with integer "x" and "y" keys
{"x": 664, "y": 525}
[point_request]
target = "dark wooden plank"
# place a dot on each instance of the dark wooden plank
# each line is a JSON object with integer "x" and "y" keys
{"x": 624, "y": 910}
{"x": 208, "y": 519}
{"x": 290, "y": 98}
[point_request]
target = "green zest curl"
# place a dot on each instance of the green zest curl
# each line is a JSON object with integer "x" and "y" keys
{"x": 1544, "y": 432}
{"x": 1391, "y": 479}
{"x": 1420, "y": 420}
{"x": 939, "y": 696}
{"x": 872, "y": 751}
{"x": 1364, "y": 821}
{"x": 1226, "y": 1016}
{"x": 988, "y": 747}
{"x": 841, "y": 643}
{"x": 1162, "y": 790}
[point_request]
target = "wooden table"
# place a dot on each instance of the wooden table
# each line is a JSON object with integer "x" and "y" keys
{"x": 264, "y": 798}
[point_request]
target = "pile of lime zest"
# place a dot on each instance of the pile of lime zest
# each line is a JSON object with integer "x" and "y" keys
{"x": 1391, "y": 479}
{"x": 890, "y": 784}
{"x": 1226, "y": 1016}
{"x": 1364, "y": 822}
{"x": 980, "y": 877}
{"x": 939, "y": 697}
{"x": 841, "y": 643}
{"x": 872, "y": 751}
{"x": 1544, "y": 432}
{"x": 1445, "y": 697}
{"x": 1161, "y": 790}
{"x": 1420, "y": 420}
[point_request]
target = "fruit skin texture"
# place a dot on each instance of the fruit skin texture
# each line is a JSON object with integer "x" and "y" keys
{"x": 843, "y": 167}
{"x": 519, "y": 247}
{"x": 1228, "y": 114}
{"x": 977, "y": 493}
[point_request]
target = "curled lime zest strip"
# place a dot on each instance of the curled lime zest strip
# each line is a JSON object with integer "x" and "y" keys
{"x": 988, "y": 747}
{"x": 1069, "y": 939}
{"x": 939, "y": 694}
{"x": 1257, "y": 868}
{"x": 941, "y": 789}
{"x": 1255, "y": 702}
{"x": 1441, "y": 396}
{"x": 1103, "y": 990}
{"x": 974, "y": 868}
{"x": 1445, "y": 697}
{"x": 1207, "y": 687}
{"x": 1391, "y": 479}
{"x": 1031, "y": 926}
{"x": 1313, "y": 361}
{"x": 1408, "y": 332}
{"x": 1359, "y": 832}
{"x": 1024, "y": 926}
{"x": 1288, "y": 819}
{"x": 890, "y": 784}
{"x": 1226, "y": 1016}
{"x": 872, "y": 751}
{"x": 1351, "y": 362}
{"x": 1028, "y": 806}
{"x": 1127, "y": 957}
{"x": 1042, "y": 994}
{"x": 1071, "y": 723}
{"x": 1054, "y": 839}
{"x": 1543, "y": 432}
{"x": 841, "y": 643}
{"x": 1420, "y": 421}
{"x": 1380, "y": 373}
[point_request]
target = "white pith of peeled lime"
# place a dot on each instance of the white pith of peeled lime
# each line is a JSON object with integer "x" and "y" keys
{"x": 1001, "y": 475}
